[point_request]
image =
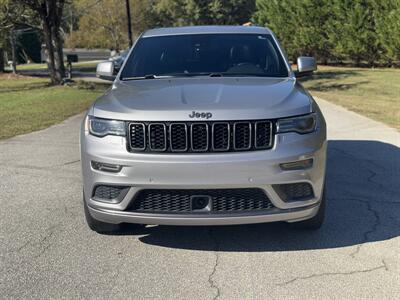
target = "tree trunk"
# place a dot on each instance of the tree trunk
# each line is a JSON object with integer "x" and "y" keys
{"x": 58, "y": 54}
{"x": 50, "y": 12}
{"x": 1, "y": 60}
{"x": 13, "y": 52}
{"x": 50, "y": 51}
{"x": 55, "y": 18}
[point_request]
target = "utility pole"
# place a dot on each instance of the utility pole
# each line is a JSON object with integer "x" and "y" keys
{"x": 128, "y": 13}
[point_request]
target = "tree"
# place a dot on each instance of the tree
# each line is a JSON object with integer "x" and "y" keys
{"x": 104, "y": 22}
{"x": 204, "y": 12}
{"x": 311, "y": 36}
{"x": 144, "y": 15}
{"x": 302, "y": 26}
{"x": 279, "y": 17}
{"x": 50, "y": 13}
{"x": 354, "y": 32}
{"x": 12, "y": 16}
{"x": 387, "y": 22}
{"x": 102, "y": 26}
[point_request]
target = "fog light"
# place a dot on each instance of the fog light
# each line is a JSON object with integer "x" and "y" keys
{"x": 297, "y": 165}
{"x": 106, "y": 167}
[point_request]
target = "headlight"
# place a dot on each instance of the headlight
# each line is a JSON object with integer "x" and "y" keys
{"x": 103, "y": 127}
{"x": 302, "y": 124}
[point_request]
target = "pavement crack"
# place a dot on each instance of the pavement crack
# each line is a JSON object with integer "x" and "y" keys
{"x": 45, "y": 241}
{"x": 374, "y": 227}
{"x": 19, "y": 249}
{"x": 71, "y": 162}
{"x": 43, "y": 244}
{"x": 357, "y": 158}
{"x": 211, "y": 281}
{"x": 370, "y": 166}
{"x": 383, "y": 266}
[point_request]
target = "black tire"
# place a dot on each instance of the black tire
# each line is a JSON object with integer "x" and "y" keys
{"x": 315, "y": 222}
{"x": 107, "y": 228}
{"x": 98, "y": 226}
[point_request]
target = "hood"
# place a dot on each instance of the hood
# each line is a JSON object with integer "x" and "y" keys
{"x": 175, "y": 99}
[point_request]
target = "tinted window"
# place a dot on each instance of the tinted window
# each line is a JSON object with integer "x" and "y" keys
{"x": 204, "y": 54}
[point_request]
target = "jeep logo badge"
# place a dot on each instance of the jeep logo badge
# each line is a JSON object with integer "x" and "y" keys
{"x": 202, "y": 115}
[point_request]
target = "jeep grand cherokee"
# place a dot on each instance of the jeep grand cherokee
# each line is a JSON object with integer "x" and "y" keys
{"x": 204, "y": 125}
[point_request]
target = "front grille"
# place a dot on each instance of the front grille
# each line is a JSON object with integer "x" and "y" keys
{"x": 299, "y": 191}
{"x": 197, "y": 137}
{"x": 242, "y": 136}
{"x": 178, "y": 137}
{"x": 263, "y": 135}
{"x": 221, "y": 136}
{"x": 222, "y": 200}
{"x": 137, "y": 134}
{"x": 157, "y": 137}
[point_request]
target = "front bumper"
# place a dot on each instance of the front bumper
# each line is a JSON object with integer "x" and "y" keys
{"x": 274, "y": 215}
{"x": 256, "y": 169}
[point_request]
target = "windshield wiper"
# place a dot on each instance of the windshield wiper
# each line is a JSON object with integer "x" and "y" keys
{"x": 243, "y": 74}
{"x": 171, "y": 75}
{"x": 149, "y": 76}
{"x": 216, "y": 75}
{"x": 187, "y": 74}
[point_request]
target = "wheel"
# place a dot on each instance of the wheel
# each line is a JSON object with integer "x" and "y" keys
{"x": 103, "y": 227}
{"x": 315, "y": 222}
{"x": 98, "y": 226}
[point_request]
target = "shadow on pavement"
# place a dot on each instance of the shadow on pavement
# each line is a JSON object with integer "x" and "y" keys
{"x": 363, "y": 206}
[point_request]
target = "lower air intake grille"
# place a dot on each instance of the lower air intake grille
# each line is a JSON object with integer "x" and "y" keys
{"x": 222, "y": 200}
{"x": 294, "y": 191}
{"x": 108, "y": 193}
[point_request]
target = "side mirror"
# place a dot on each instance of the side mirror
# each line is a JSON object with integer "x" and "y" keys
{"x": 305, "y": 66}
{"x": 105, "y": 70}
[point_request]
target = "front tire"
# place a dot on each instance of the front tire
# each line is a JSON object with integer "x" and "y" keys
{"x": 315, "y": 222}
{"x": 106, "y": 228}
{"x": 98, "y": 226}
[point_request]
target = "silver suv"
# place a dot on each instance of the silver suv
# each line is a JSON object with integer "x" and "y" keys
{"x": 204, "y": 126}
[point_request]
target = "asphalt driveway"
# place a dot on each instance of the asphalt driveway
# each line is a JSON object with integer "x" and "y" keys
{"x": 47, "y": 251}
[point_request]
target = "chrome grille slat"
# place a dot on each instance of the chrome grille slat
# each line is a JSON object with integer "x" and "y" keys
{"x": 200, "y": 137}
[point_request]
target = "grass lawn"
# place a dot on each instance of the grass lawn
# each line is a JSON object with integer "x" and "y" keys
{"x": 28, "y": 104}
{"x": 83, "y": 66}
{"x": 374, "y": 93}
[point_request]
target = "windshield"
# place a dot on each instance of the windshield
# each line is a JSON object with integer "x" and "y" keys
{"x": 205, "y": 55}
